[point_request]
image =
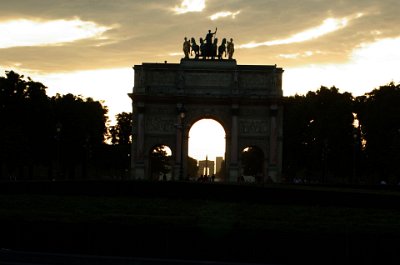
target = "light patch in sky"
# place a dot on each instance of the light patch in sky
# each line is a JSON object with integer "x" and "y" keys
{"x": 175, "y": 54}
{"x": 23, "y": 32}
{"x": 298, "y": 55}
{"x": 109, "y": 85}
{"x": 206, "y": 138}
{"x": 370, "y": 66}
{"x": 190, "y": 6}
{"x": 224, "y": 14}
{"x": 328, "y": 25}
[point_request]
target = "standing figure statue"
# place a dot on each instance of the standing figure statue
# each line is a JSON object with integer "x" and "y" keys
{"x": 222, "y": 49}
{"x": 195, "y": 48}
{"x": 209, "y": 42}
{"x": 231, "y": 49}
{"x": 186, "y": 48}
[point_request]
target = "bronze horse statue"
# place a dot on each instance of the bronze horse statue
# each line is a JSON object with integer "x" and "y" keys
{"x": 222, "y": 49}
{"x": 214, "y": 48}
{"x": 203, "y": 48}
{"x": 195, "y": 48}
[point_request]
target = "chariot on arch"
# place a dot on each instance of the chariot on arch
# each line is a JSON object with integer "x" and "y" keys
{"x": 208, "y": 47}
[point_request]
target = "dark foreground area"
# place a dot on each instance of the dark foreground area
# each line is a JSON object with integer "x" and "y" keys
{"x": 276, "y": 224}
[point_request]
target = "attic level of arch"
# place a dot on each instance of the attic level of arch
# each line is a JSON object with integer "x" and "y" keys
{"x": 207, "y": 79}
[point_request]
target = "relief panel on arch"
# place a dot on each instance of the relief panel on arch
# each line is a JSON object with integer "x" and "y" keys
{"x": 251, "y": 126}
{"x": 160, "y": 124}
{"x": 208, "y": 79}
{"x": 251, "y": 80}
{"x": 161, "y": 78}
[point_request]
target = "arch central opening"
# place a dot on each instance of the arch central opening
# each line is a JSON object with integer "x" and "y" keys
{"x": 207, "y": 142}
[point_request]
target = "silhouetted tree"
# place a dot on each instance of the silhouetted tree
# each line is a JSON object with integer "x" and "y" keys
{"x": 121, "y": 133}
{"x": 297, "y": 117}
{"x": 81, "y": 125}
{"x": 25, "y": 118}
{"x": 117, "y": 157}
{"x": 318, "y": 132}
{"x": 379, "y": 116}
{"x": 40, "y": 133}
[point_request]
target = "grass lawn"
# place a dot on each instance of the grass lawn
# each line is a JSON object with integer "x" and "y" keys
{"x": 162, "y": 225}
{"x": 200, "y": 213}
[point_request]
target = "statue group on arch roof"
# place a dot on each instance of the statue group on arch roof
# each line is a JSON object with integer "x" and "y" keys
{"x": 208, "y": 47}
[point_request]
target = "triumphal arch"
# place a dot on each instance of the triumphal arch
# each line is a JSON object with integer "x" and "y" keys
{"x": 168, "y": 98}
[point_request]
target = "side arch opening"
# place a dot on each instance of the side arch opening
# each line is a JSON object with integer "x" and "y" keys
{"x": 160, "y": 163}
{"x": 252, "y": 164}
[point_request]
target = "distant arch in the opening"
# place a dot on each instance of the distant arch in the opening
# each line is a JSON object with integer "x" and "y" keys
{"x": 160, "y": 163}
{"x": 207, "y": 144}
{"x": 252, "y": 164}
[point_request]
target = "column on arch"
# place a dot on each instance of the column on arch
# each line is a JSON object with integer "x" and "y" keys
{"x": 137, "y": 159}
{"x": 233, "y": 167}
{"x": 273, "y": 170}
{"x": 181, "y": 144}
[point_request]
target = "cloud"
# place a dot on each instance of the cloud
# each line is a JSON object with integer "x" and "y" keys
{"x": 328, "y": 25}
{"x": 298, "y": 54}
{"x": 319, "y": 33}
{"x": 380, "y": 52}
{"x": 23, "y": 32}
{"x": 190, "y": 6}
{"x": 224, "y": 14}
{"x": 359, "y": 75}
{"x": 175, "y": 54}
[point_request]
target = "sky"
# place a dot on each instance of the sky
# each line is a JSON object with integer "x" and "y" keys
{"x": 88, "y": 47}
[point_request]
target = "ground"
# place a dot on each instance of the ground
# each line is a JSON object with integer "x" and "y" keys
{"x": 206, "y": 221}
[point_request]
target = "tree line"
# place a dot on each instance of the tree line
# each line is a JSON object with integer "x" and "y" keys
{"x": 329, "y": 137}
{"x": 59, "y": 137}
{"x": 333, "y": 137}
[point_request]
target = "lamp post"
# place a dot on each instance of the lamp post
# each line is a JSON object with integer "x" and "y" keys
{"x": 182, "y": 113}
{"x": 355, "y": 146}
{"x": 58, "y": 147}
